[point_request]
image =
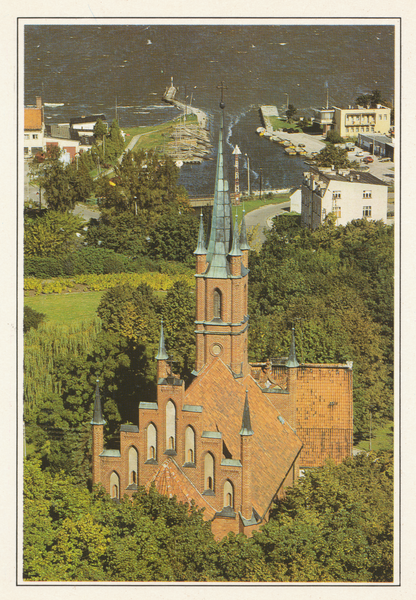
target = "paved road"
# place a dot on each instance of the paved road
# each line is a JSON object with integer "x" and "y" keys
{"x": 263, "y": 216}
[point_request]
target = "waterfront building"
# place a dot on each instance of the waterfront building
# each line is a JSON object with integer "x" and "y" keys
{"x": 351, "y": 121}
{"x": 34, "y": 128}
{"x": 344, "y": 193}
{"x": 379, "y": 145}
{"x": 240, "y": 433}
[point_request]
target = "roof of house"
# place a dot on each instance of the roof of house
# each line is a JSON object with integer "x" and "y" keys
{"x": 357, "y": 176}
{"x": 170, "y": 480}
{"x": 274, "y": 444}
{"x": 89, "y": 119}
{"x": 33, "y": 118}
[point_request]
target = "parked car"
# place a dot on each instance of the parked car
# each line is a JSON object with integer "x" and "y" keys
{"x": 301, "y": 145}
{"x": 368, "y": 159}
{"x": 360, "y": 153}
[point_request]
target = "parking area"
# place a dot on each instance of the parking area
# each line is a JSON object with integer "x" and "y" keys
{"x": 380, "y": 167}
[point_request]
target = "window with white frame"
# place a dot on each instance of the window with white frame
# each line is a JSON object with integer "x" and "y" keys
{"x": 366, "y": 211}
{"x": 337, "y": 211}
{"x": 35, "y": 136}
{"x": 336, "y": 195}
{"x": 367, "y": 194}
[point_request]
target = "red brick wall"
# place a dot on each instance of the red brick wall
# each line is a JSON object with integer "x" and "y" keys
{"x": 324, "y": 413}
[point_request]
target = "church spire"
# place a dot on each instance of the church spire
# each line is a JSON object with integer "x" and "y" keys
{"x": 220, "y": 236}
{"x": 246, "y": 423}
{"x": 292, "y": 362}
{"x": 162, "y": 354}
{"x": 97, "y": 418}
{"x": 200, "y": 249}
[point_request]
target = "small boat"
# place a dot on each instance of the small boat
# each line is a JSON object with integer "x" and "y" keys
{"x": 301, "y": 151}
{"x": 179, "y": 163}
{"x": 260, "y": 130}
{"x": 267, "y": 134}
{"x": 290, "y": 151}
{"x": 287, "y": 143}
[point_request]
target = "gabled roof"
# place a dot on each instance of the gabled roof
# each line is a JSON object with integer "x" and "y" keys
{"x": 33, "y": 119}
{"x": 274, "y": 444}
{"x": 171, "y": 481}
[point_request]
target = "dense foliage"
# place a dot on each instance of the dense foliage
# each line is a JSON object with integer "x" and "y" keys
{"x": 335, "y": 525}
{"x": 335, "y": 285}
{"x": 31, "y": 318}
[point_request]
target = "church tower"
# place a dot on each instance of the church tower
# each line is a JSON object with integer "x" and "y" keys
{"x": 221, "y": 281}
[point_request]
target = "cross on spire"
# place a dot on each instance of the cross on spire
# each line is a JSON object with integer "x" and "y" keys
{"x": 222, "y": 87}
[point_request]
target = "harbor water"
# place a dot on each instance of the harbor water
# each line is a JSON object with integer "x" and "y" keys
{"x": 91, "y": 69}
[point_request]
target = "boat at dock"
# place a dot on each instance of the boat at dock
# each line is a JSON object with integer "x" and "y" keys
{"x": 290, "y": 151}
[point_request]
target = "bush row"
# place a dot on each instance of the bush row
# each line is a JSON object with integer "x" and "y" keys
{"x": 87, "y": 261}
{"x": 98, "y": 282}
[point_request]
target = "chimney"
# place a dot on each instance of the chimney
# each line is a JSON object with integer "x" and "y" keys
{"x": 38, "y": 102}
{"x": 358, "y": 177}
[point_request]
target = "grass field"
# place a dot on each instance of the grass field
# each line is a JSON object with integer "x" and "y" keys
{"x": 253, "y": 204}
{"x": 66, "y": 308}
{"x": 382, "y": 439}
{"x": 155, "y": 136}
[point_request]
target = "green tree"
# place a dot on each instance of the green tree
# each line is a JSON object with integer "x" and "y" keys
{"x": 31, "y": 318}
{"x": 290, "y": 112}
{"x": 174, "y": 237}
{"x": 335, "y": 525}
{"x": 334, "y": 137}
{"x": 178, "y": 317}
{"x": 100, "y": 129}
{"x": 52, "y": 234}
{"x": 333, "y": 156}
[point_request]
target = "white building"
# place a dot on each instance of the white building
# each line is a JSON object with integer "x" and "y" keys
{"x": 34, "y": 128}
{"x": 346, "y": 194}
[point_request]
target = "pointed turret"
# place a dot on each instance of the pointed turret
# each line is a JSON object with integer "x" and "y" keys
{"x": 162, "y": 354}
{"x": 244, "y": 245}
{"x": 200, "y": 249}
{"x": 292, "y": 362}
{"x": 235, "y": 250}
{"x": 220, "y": 236}
{"x": 246, "y": 423}
{"x": 97, "y": 418}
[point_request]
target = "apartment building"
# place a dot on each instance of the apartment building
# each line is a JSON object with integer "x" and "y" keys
{"x": 345, "y": 193}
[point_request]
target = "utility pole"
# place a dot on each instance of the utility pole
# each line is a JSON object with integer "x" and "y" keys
{"x": 248, "y": 174}
{"x": 236, "y": 153}
{"x": 261, "y": 181}
{"x": 370, "y": 427}
{"x": 116, "y": 111}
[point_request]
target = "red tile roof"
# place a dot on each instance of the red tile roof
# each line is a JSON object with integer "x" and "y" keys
{"x": 274, "y": 444}
{"x": 171, "y": 481}
{"x": 33, "y": 118}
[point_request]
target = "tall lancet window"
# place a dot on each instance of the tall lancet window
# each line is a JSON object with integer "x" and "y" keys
{"x": 114, "y": 485}
{"x": 133, "y": 462}
{"x": 209, "y": 472}
{"x": 170, "y": 426}
{"x": 189, "y": 445}
{"x": 217, "y": 304}
{"x": 228, "y": 494}
{"x": 151, "y": 442}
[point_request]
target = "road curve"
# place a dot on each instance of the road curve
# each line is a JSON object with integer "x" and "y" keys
{"x": 263, "y": 216}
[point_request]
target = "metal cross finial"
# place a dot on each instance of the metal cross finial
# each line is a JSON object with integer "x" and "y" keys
{"x": 222, "y": 87}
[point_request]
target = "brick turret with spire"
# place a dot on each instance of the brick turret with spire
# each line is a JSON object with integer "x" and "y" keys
{"x": 221, "y": 287}
{"x": 97, "y": 435}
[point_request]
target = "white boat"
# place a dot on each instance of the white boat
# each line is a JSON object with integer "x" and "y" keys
{"x": 53, "y": 104}
{"x": 260, "y": 129}
{"x": 179, "y": 163}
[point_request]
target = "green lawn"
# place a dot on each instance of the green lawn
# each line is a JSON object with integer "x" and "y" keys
{"x": 253, "y": 204}
{"x": 66, "y": 308}
{"x": 277, "y": 124}
{"x": 382, "y": 439}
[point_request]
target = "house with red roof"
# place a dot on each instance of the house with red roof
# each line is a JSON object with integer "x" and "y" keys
{"x": 34, "y": 128}
{"x": 239, "y": 434}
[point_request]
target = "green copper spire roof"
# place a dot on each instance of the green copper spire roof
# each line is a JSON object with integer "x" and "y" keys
{"x": 246, "y": 424}
{"x": 292, "y": 362}
{"x": 243, "y": 233}
{"x": 235, "y": 250}
{"x": 220, "y": 236}
{"x": 200, "y": 249}
{"x": 162, "y": 354}
{"x": 97, "y": 418}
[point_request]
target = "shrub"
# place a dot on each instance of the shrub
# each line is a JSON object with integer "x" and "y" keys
{"x": 31, "y": 319}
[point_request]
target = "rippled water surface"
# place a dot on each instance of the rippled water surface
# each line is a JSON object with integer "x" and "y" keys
{"x": 86, "y": 67}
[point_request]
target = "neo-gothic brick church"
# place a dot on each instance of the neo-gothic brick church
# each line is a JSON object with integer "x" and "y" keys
{"x": 239, "y": 434}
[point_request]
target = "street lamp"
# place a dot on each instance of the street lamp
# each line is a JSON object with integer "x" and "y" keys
{"x": 261, "y": 180}
{"x": 287, "y": 104}
{"x": 248, "y": 173}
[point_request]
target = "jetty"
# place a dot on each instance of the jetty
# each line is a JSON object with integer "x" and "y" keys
{"x": 190, "y": 142}
{"x": 267, "y": 111}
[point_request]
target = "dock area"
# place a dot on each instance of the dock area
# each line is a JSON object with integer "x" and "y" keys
{"x": 190, "y": 142}
{"x": 267, "y": 111}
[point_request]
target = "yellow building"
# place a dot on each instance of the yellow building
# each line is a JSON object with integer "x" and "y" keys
{"x": 349, "y": 122}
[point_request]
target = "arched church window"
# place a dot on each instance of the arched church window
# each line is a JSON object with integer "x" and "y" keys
{"x": 217, "y": 304}
{"x": 133, "y": 465}
{"x": 151, "y": 442}
{"x": 228, "y": 494}
{"x": 114, "y": 485}
{"x": 209, "y": 472}
{"x": 170, "y": 425}
{"x": 189, "y": 445}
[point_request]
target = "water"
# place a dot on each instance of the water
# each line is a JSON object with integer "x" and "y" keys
{"x": 87, "y": 66}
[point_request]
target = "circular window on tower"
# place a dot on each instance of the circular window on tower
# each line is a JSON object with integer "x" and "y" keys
{"x": 216, "y": 349}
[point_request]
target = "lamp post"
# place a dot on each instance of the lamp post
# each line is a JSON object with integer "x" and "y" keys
{"x": 261, "y": 180}
{"x": 287, "y": 103}
{"x": 248, "y": 174}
